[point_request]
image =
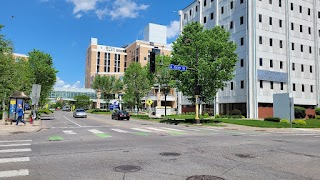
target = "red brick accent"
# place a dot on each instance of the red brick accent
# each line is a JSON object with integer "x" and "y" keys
{"x": 188, "y": 109}
{"x": 264, "y": 112}
{"x": 310, "y": 112}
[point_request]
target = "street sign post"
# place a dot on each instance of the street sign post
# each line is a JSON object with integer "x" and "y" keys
{"x": 177, "y": 67}
{"x": 35, "y": 94}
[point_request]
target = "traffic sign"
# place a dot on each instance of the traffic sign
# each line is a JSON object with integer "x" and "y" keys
{"x": 149, "y": 102}
{"x": 177, "y": 67}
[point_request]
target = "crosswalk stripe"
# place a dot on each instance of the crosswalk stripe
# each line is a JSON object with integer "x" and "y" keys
{"x": 13, "y": 145}
{"x": 69, "y": 132}
{"x": 156, "y": 129}
{"x": 14, "y": 150}
{"x": 120, "y": 130}
{"x": 8, "y": 160}
{"x": 15, "y": 141}
{"x": 14, "y": 173}
{"x": 172, "y": 129}
{"x": 94, "y": 131}
{"x": 142, "y": 130}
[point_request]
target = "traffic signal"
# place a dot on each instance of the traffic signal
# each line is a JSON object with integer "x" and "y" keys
{"x": 152, "y": 62}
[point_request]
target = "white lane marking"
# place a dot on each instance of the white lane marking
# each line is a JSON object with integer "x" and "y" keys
{"x": 120, "y": 130}
{"x": 13, "y": 145}
{"x": 139, "y": 129}
{"x": 16, "y": 141}
{"x": 76, "y": 127}
{"x": 14, "y": 150}
{"x": 9, "y": 160}
{"x": 172, "y": 129}
{"x": 156, "y": 129}
{"x": 14, "y": 173}
{"x": 69, "y": 132}
{"x": 94, "y": 131}
{"x": 72, "y": 121}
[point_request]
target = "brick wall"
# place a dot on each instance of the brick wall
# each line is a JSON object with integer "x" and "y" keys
{"x": 310, "y": 112}
{"x": 264, "y": 112}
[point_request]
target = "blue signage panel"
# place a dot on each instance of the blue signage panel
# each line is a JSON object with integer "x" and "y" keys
{"x": 177, "y": 67}
{"x": 272, "y": 76}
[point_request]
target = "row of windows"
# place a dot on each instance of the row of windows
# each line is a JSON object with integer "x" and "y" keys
{"x": 107, "y": 62}
{"x": 272, "y": 86}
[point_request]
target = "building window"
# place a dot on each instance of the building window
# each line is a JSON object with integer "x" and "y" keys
{"x": 231, "y": 5}
{"x": 190, "y": 12}
{"x": 231, "y": 85}
{"x": 241, "y": 1}
{"x": 205, "y": 19}
{"x": 291, "y": 6}
{"x": 222, "y": 10}
{"x": 301, "y": 29}
{"x": 302, "y": 69}
{"x": 292, "y": 26}
{"x": 300, "y": 9}
{"x": 242, "y": 41}
{"x": 270, "y": 1}
{"x": 280, "y": 23}
{"x": 311, "y": 88}
{"x": 310, "y": 69}
{"x": 241, "y": 62}
{"x": 294, "y": 87}
{"x": 242, "y": 84}
{"x": 280, "y": 43}
{"x": 270, "y": 20}
{"x": 292, "y": 46}
{"x": 260, "y": 39}
{"x": 270, "y": 42}
{"x": 280, "y": 4}
{"x": 260, "y": 18}
{"x": 281, "y": 65}
{"x": 271, "y": 63}
{"x": 241, "y": 20}
{"x": 310, "y": 49}
{"x": 271, "y": 84}
{"x": 302, "y": 87}
{"x": 196, "y": 8}
{"x": 261, "y": 62}
{"x": 301, "y": 48}
{"x": 231, "y": 25}
{"x": 261, "y": 84}
{"x": 105, "y": 62}
{"x": 309, "y": 12}
{"x": 309, "y": 29}
{"x": 281, "y": 85}
{"x": 293, "y": 67}
{"x": 211, "y": 15}
{"x": 109, "y": 62}
{"x": 205, "y": 3}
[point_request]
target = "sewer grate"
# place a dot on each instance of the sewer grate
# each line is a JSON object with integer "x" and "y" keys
{"x": 245, "y": 155}
{"x": 204, "y": 177}
{"x": 127, "y": 168}
{"x": 169, "y": 154}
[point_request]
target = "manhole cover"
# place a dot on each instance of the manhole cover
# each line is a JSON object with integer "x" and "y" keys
{"x": 127, "y": 168}
{"x": 245, "y": 155}
{"x": 169, "y": 154}
{"x": 204, "y": 177}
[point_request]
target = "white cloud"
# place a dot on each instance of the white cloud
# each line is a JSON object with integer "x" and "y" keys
{"x": 62, "y": 84}
{"x": 116, "y": 9}
{"x": 173, "y": 30}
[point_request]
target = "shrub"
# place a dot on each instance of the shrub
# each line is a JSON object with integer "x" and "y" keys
{"x": 231, "y": 116}
{"x": 310, "y": 116}
{"x": 299, "y": 112}
{"x": 272, "y": 119}
{"x": 217, "y": 116}
{"x": 1, "y": 112}
{"x": 235, "y": 112}
{"x": 317, "y": 116}
{"x": 317, "y": 111}
{"x": 44, "y": 111}
{"x": 299, "y": 122}
{"x": 141, "y": 116}
{"x": 284, "y": 121}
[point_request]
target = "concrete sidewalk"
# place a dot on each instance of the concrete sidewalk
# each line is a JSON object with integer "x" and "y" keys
{"x": 21, "y": 128}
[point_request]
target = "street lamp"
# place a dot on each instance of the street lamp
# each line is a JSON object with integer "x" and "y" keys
{"x": 197, "y": 87}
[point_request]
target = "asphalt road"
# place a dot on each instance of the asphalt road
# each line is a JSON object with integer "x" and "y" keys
{"x": 100, "y": 148}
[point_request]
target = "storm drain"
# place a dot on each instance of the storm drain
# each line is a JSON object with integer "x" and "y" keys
{"x": 204, "y": 177}
{"x": 127, "y": 168}
{"x": 245, "y": 155}
{"x": 169, "y": 154}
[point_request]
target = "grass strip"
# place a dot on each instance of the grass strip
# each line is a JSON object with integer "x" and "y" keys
{"x": 55, "y": 138}
{"x": 141, "y": 133}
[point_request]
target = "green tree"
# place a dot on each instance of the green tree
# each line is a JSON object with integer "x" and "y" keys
{"x": 25, "y": 76}
{"x": 210, "y": 57}
{"x": 137, "y": 85}
{"x": 108, "y": 86}
{"x": 44, "y": 73}
{"x": 82, "y": 101}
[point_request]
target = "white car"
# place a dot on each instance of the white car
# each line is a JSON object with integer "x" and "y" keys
{"x": 79, "y": 113}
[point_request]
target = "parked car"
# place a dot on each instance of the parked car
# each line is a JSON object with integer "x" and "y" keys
{"x": 79, "y": 113}
{"x": 66, "y": 109}
{"x": 120, "y": 115}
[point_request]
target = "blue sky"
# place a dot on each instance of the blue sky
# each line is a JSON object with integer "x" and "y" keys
{"x": 63, "y": 28}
